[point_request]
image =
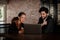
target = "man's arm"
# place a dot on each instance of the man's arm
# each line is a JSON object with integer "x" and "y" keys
{"x": 50, "y": 26}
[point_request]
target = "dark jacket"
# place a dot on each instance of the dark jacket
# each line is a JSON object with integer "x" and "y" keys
{"x": 13, "y": 28}
{"x": 50, "y": 25}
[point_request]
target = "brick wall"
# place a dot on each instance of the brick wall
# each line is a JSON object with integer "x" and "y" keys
{"x": 30, "y": 7}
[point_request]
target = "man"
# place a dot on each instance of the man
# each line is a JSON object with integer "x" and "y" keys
{"x": 46, "y": 21}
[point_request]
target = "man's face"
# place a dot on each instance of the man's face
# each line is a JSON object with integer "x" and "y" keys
{"x": 22, "y": 18}
{"x": 43, "y": 14}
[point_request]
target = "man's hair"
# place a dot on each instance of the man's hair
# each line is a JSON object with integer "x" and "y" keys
{"x": 21, "y": 13}
{"x": 43, "y": 9}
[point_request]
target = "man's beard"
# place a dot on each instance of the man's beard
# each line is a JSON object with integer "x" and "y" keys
{"x": 45, "y": 18}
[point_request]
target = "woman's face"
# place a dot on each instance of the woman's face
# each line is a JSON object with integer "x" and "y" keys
{"x": 22, "y": 18}
{"x": 43, "y": 14}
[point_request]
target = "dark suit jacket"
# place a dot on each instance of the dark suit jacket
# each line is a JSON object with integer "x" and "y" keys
{"x": 50, "y": 25}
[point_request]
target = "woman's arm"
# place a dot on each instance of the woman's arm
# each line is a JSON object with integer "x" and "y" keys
{"x": 21, "y": 31}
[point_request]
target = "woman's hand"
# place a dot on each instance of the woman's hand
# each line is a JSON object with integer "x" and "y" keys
{"x": 21, "y": 31}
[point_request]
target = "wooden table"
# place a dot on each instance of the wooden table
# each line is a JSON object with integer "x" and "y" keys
{"x": 32, "y": 36}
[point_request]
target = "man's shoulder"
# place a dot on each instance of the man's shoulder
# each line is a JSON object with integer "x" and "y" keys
{"x": 40, "y": 18}
{"x": 49, "y": 17}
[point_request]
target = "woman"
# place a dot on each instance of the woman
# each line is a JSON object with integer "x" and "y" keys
{"x": 21, "y": 17}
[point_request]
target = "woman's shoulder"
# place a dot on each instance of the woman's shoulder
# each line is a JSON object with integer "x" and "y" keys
{"x": 12, "y": 25}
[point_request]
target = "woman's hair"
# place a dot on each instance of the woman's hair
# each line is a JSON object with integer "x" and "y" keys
{"x": 21, "y": 13}
{"x": 43, "y": 9}
{"x": 14, "y": 19}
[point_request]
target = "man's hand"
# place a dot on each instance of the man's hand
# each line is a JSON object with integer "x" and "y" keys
{"x": 44, "y": 23}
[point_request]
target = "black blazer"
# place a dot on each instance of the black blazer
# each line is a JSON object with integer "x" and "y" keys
{"x": 50, "y": 25}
